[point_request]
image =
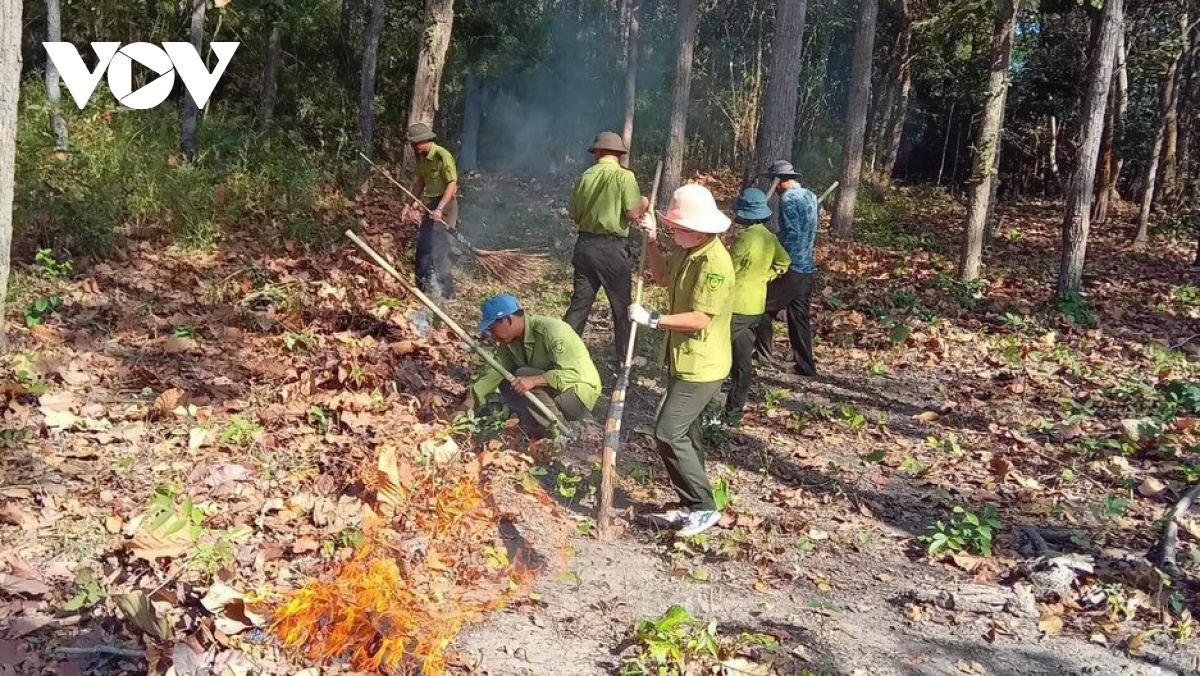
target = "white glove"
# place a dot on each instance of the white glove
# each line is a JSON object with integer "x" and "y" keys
{"x": 649, "y": 225}
{"x": 642, "y": 316}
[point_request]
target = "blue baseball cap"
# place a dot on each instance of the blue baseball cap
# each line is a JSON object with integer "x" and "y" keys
{"x": 495, "y": 309}
{"x": 751, "y": 206}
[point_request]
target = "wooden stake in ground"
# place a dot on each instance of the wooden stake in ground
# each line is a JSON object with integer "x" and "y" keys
{"x": 616, "y": 406}
{"x": 462, "y": 334}
{"x": 510, "y": 266}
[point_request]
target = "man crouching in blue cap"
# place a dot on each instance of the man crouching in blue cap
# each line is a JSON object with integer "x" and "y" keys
{"x": 548, "y": 359}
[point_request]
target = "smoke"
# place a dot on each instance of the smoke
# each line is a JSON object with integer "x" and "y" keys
{"x": 541, "y": 114}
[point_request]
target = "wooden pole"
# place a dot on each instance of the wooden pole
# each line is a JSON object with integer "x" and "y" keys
{"x": 466, "y": 337}
{"x": 616, "y": 406}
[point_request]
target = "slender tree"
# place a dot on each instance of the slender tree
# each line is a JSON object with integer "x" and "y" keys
{"x": 987, "y": 142}
{"x": 58, "y": 126}
{"x": 1170, "y": 151}
{"x": 856, "y": 125}
{"x": 680, "y": 97}
{"x": 777, "y": 132}
{"x": 431, "y": 62}
{"x": 366, "y": 92}
{"x": 903, "y": 85}
{"x": 10, "y": 91}
{"x": 1077, "y": 212}
{"x": 270, "y": 83}
{"x": 468, "y": 152}
{"x": 632, "y": 31}
{"x": 1150, "y": 184}
{"x": 191, "y": 111}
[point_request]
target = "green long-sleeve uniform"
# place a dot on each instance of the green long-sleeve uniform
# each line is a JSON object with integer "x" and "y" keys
{"x": 758, "y": 257}
{"x": 552, "y": 347}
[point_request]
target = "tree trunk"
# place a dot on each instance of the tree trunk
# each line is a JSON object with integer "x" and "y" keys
{"x": 1170, "y": 152}
{"x": 345, "y": 26}
{"x": 1121, "y": 114}
{"x": 680, "y": 97}
{"x": 10, "y": 90}
{"x": 904, "y": 92}
{"x": 1077, "y": 213}
{"x": 987, "y": 143}
{"x": 777, "y": 131}
{"x": 191, "y": 111}
{"x": 1166, "y": 97}
{"x": 58, "y": 126}
{"x": 1108, "y": 160}
{"x": 468, "y": 154}
{"x": 431, "y": 61}
{"x": 632, "y": 30}
{"x": 860, "y": 99}
{"x": 270, "y": 85}
{"x": 366, "y": 92}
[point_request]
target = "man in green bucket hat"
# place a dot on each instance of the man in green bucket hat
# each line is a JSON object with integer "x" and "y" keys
{"x": 605, "y": 201}
{"x": 437, "y": 186}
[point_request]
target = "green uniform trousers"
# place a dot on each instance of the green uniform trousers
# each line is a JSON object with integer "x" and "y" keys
{"x": 742, "y": 373}
{"x": 679, "y": 433}
{"x": 565, "y": 405}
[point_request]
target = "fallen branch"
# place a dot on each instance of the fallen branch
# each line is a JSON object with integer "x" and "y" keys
{"x": 980, "y": 599}
{"x": 115, "y": 651}
{"x": 1167, "y": 549}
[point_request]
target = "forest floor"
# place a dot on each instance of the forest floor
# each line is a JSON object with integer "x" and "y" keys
{"x": 189, "y": 436}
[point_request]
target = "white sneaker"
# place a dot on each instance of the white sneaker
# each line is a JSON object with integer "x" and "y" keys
{"x": 698, "y": 522}
{"x": 670, "y": 519}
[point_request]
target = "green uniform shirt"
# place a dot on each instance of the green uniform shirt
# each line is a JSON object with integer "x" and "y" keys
{"x": 703, "y": 280}
{"x": 758, "y": 257}
{"x": 603, "y": 195}
{"x": 552, "y": 346}
{"x": 437, "y": 169}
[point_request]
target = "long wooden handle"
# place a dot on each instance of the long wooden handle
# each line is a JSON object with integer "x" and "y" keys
{"x": 419, "y": 202}
{"x": 616, "y": 405}
{"x": 466, "y": 337}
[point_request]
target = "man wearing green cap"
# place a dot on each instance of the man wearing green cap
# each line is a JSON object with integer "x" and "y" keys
{"x": 548, "y": 359}
{"x": 437, "y": 185}
{"x": 758, "y": 257}
{"x": 605, "y": 201}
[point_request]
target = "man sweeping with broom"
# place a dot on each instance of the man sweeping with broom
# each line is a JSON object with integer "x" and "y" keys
{"x": 437, "y": 186}
{"x": 605, "y": 201}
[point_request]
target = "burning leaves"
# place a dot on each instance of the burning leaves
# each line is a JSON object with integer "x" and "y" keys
{"x": 428, "y": 566}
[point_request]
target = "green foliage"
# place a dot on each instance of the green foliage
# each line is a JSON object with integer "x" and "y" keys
{"x": 966, "y": 531}
{"x": 671, "y": 645}
{"x": 490, "y": 423}
{"x": 721, "y": 495}
{"x": 37, "y": 311}
{"x": 124, "y": 172}
{"x": 50, "y": 267}
{"x": 1076, "y": 309}
{"x": 966, "y": 293}
{"x": 240, "y": 431}
{"x": 1181, "y": 397}
{"x": 87, "y": 592}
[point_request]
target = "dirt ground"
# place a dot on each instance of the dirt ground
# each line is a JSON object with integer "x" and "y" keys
{"x": 189, "y": 437}
{"x": 839, "y": 605}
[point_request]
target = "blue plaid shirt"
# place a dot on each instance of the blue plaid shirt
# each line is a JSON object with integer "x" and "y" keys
{"x": 798, "y": 221}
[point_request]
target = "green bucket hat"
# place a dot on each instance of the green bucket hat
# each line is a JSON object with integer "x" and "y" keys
{"x": 420, "y": 132}
{"x": 610, "y": 141}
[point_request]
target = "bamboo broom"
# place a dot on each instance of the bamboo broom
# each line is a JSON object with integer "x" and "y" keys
{"x": 616, "y": 407}
{"x": 512, "y": 267}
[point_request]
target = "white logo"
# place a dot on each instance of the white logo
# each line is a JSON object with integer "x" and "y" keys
{"x": 118, "y": 61}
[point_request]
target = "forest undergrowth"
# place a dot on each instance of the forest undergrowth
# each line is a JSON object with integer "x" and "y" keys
{"x": 219, "y": 456}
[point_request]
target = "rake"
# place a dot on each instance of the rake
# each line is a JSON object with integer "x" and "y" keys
{"x": 513, "y": 267}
